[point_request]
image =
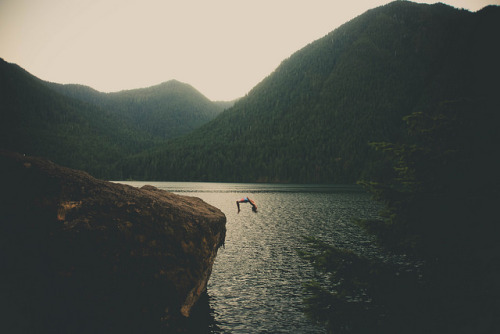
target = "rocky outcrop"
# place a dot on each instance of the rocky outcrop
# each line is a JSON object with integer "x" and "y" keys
{"x": 86, "y": 255}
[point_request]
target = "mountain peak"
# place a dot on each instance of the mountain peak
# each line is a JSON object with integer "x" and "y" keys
{"x": 311, "y": 119}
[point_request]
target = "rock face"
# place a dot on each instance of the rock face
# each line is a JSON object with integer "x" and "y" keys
{"x": 84, "y": 255}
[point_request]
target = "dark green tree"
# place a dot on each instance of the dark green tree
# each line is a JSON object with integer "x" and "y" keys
{"x": 439, "y": 202}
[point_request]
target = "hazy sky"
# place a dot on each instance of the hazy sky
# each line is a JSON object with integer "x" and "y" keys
{"x": 223, "y": 48}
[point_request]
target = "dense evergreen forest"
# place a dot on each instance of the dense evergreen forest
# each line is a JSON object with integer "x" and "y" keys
{"x": 166, "y": 111}
{"x": 439, "y": 226}
{"x": 79, "y": 127}
{"x": 403, "y": 98}
{"x": 312, "y": 119}
{"x": 37, "y": 121}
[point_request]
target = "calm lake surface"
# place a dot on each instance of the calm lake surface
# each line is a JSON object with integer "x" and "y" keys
{"x": 256, "y": 282}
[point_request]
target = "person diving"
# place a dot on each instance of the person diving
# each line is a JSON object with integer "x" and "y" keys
{"x": 247, "y": 200}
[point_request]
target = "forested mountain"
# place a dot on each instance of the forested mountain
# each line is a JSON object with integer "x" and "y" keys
{"x": 79, "y": 127}
{"x": 439, "y": 202}
{"x": 36, "y": 120}
{"x": 166, "y": 110}
{"x": 312, "y": 119}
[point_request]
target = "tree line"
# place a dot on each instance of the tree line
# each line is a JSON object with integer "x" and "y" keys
{"x": 440, "y": 199}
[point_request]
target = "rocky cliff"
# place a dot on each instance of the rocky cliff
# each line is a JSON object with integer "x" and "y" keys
{"x": 85, "y": 255}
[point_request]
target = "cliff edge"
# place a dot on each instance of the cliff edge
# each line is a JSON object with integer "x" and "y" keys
{"x": 85, "y": 255}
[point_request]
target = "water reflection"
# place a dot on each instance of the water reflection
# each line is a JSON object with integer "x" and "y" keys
{"x": 217, "y": 187}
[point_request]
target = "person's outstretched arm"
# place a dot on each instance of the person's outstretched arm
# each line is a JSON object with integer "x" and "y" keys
{"x": 254, "y": 206}
{"x": 238, "y": 204}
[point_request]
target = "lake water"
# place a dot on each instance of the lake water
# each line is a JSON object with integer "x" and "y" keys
{"x": 256, "y": 282}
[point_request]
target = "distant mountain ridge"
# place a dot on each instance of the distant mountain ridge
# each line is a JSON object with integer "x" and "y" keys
{"x": 311, "y": 120}
{"x": 167, "y": 110}
{"x": 79, "y": 127}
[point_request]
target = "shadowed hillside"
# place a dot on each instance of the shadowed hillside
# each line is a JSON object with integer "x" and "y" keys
{"x": 165, "y": 111}
{"x": 35, "y": 120}
{"x": 81, "y": 128}
{"x": 312, "y": 119}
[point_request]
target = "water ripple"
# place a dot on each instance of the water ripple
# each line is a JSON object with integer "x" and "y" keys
{"x": 256, "y": 282}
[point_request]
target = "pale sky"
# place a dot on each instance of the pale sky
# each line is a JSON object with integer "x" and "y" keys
{"x": 223, "y": 48}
